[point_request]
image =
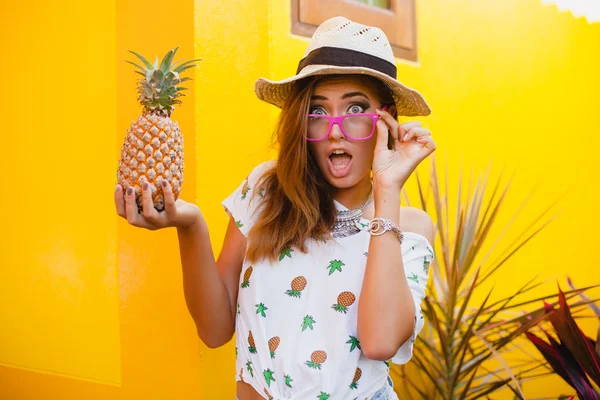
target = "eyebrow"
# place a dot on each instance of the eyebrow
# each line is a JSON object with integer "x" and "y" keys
{"x": 345, "y": 96}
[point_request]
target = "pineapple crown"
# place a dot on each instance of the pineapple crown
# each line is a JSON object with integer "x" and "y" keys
{"x": 158, "y": 90}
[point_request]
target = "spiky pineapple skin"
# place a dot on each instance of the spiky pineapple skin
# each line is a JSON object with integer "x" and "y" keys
{"x": 152, "y": 152}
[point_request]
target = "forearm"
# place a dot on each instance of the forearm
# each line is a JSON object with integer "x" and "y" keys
{"x": 386, "y": 308}
{"x": 205, "y": 292}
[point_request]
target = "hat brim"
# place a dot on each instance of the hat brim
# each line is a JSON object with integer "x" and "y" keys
{"x": 408, "y": 101}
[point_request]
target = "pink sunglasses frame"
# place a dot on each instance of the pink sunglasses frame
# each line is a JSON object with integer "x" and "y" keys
{"x": 339, "y": 119}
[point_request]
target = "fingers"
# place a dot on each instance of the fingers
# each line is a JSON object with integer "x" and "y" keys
{"x": 169, "y": 199}
{"x": 382, "y": 136}
{"x": 427, "y": 142}
{"x": 131, "y": 207}
{"x": 148, "y": 210}
{"x": 391, "y": 123}
{"x": 120, "y": 201}
{"x": 411, "y": 129}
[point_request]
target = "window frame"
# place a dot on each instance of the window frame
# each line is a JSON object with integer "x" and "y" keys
{"x": 398, "y": 22}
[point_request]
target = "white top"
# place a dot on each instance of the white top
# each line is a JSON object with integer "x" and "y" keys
{"x": 296, "y": 325}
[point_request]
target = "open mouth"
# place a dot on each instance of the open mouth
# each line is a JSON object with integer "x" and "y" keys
{"x": 339, "y": 162}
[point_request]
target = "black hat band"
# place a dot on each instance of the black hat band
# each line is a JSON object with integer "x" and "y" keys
{"x": 347, "y": 58}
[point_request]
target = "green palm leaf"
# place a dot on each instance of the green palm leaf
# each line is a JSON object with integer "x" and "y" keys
{"x": 467, "y": 325}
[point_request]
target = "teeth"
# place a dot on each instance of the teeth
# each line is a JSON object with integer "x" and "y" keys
{"x": 338, "y": 151}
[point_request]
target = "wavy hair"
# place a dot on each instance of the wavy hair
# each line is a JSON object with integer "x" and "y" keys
{"x": 298, "y": 202}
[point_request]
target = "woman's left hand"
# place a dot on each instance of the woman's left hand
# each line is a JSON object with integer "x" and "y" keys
{"x": 412, "y": 144}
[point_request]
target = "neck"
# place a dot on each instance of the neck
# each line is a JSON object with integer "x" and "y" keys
{"x": 355, "y": 196}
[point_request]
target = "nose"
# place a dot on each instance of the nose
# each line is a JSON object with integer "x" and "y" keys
{"x": 336, "y": 132}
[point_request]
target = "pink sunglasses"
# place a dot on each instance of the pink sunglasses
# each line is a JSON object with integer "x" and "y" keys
{"x": 339, "y": 120}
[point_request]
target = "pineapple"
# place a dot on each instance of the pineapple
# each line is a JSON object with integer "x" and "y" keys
{"x": 153, "y": 149}
{"x": 357, "y": 376}
{"x": 247, "y": 274}
{"x": 413, "y": 277}
{"x": 354, "y": 343}
{"x": 323, "y": 396}
{"x": 249, "y": 367}
{"x": 273, "y": 345}
{"x": 345, "y": 300}
{"x": 268, "y": 374}
{"x": 245, "y": 189}
{"x": 242, "y": 374}
{"x": 308, "y": 322}
{"x": 298, "y": 285}
{"x": 268, "y": 394}
{"x": 252, "y": 345}
{"x": 316, "y": 359}
{"x": 288, "y": 381}
{"x": 335, "y": 265}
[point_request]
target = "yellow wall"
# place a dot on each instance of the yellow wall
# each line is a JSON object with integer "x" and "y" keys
{"x": 95, "y": 308}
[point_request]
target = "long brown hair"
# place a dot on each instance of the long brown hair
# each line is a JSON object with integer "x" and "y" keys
{"x": 298, "y": 204}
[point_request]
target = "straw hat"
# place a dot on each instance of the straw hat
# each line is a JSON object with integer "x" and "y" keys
{"x": 341, "y": 46}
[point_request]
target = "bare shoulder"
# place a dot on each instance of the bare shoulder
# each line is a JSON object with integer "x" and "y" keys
{"x": 415, "y": 220}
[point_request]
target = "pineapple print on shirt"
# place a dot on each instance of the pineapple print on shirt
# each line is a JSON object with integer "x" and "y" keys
{"x": 268, "y": 374}
{"x": 335, "y": 265}
{"x": 308, "y": 323}
{"x": 357, "y": 375}
{"x": 260, "y": 309}
{"x": 251, "y": 345}
{"x": 287, "y": 252}
{"x": 247, "y": 275}
{"x": 345, "y": 300}
{"x": 298, "y": 285}
{"x": 291, "y": 341}
{"x": 273, "y": 345}
{"x": 245, "y": 189}
{"x": 317, "y": 358}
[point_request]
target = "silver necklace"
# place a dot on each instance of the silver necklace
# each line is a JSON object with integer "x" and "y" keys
{"x": 347, "y": 222}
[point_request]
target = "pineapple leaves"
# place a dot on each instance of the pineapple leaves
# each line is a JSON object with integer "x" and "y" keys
{"x": 182, "y": 67}
{"x": 165, "y": 65}
{"x": 146, "y": 62}
{"x": 138, "y": 66}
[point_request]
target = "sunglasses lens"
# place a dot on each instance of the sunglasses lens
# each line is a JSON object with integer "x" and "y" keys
{"x": 356, "y": 127}
{"x": 317, "y": 127}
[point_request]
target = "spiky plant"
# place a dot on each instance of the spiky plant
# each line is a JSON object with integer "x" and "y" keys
{"x": 570, "y": 353}
{"x": 153, "y": 148}
{"x": 461, "y": 334}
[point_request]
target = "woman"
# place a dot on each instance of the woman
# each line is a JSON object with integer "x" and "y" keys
{"x": 321, "y": 273}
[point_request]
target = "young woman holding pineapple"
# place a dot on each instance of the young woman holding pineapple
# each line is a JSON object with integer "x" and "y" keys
{"x": 321, "y": 273}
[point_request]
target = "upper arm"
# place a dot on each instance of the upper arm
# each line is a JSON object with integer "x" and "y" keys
{"x": 241, "y": 206}
{"x": 230, "y": 261}
{"x": 418, "y": 221}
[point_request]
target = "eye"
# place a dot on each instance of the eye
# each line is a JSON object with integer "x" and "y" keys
{"x": 316, "y": 110}
{"x": 356, "y": 109}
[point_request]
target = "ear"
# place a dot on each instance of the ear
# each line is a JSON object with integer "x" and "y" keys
{"x": 392, "y": 110}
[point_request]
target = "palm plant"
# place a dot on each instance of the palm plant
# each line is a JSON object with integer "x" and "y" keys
{"x": 455, "y": 353}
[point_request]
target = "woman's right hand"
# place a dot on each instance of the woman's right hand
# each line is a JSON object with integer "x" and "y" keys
{"x": 180, "y": 214}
